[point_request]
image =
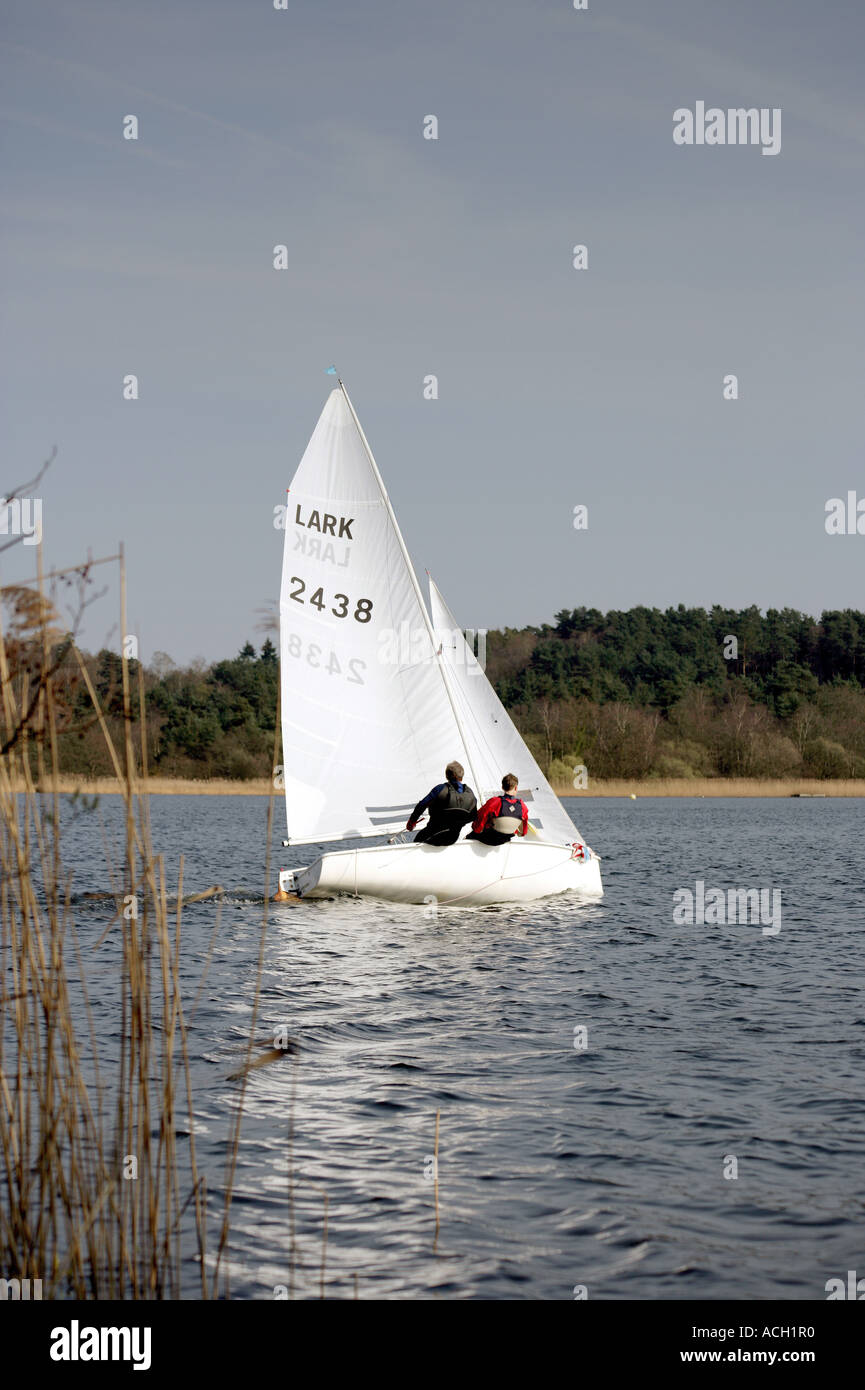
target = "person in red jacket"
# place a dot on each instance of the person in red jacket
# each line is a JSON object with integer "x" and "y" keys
{"x": 502, "y": 817}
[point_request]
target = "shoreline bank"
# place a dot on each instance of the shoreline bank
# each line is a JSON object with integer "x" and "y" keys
{"x": 660, "y": 786}
{"x": 719, "y": 787}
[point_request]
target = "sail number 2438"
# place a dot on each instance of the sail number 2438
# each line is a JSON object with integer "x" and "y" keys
{"x": 363, "y": 608}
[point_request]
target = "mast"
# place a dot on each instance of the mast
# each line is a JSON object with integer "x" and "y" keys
{"x": 418, "y": 592}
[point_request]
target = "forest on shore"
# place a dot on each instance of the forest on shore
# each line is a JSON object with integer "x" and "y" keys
{"x": 635, "y": 694}
{"x": 688, "y": 693}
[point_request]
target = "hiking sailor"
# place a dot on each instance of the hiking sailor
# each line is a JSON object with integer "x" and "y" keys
{"x": 502, "y": 817}
{"x": 451, "y": 805}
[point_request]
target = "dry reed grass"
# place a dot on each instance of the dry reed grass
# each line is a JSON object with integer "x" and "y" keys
{"x": 67, "y": 783}
{"x": 650, "y": 786}
{"x": 70, "y": 1213}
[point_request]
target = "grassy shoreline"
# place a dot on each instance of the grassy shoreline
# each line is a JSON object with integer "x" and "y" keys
{"x": 622, "y": 787}
{"x": 720, "y": 786}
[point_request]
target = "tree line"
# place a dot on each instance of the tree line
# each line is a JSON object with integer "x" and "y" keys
{"x": 638, "y": 693}
{"x": 197, "y": 721}
{"x": 687, "y": 693}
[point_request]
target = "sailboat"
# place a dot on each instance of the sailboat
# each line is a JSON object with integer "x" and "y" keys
{"x": 379, "y": 693}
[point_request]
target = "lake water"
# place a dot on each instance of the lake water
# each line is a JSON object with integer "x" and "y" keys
{"x": 602, "y": 1167}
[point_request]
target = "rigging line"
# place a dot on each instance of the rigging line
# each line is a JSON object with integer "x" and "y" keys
{"x": 480, "y": 734}
{"x": 417, "y": 589}
{"x": 481, "y": 739}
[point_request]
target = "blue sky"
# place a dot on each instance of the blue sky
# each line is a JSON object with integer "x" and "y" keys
{"x": 453, "y": 257}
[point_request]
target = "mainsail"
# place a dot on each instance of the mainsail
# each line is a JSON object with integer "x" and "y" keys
{"x": 369, "y": 720}
{"x": 494, "y": 745}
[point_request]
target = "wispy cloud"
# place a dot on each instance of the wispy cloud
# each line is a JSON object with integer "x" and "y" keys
{"x": 65, "y": 131}
{"x": 91, "y": 74}
{"x": 720, "y": 69}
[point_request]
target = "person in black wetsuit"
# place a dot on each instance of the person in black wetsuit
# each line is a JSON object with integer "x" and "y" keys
{"x": 451, "y": 805}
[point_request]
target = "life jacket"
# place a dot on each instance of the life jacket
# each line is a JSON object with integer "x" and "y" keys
{"x": 452, "y": 807}
{"x": 510, "y": 817}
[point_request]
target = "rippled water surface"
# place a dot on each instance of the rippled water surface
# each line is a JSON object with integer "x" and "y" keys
{"x": 557, "y": 1167}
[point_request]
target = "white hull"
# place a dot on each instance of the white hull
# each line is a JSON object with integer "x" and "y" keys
{"x": 467, "y": 874}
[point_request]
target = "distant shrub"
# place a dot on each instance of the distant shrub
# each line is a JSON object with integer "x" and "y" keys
{"x": 824, "y": 758}
{"x": 562, "y": 769}
{"x": 775, "y": 756}
{"x": 667, "y": 766}
{"x": 240, "y": 766}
